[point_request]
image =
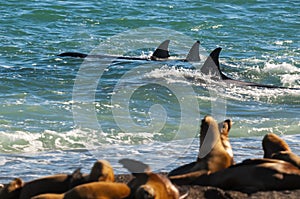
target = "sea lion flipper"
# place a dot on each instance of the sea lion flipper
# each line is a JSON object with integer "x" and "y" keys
{"x": 182, "y": 169}
{"x": 76, "y": 178}
{"x": 185, "y": 194}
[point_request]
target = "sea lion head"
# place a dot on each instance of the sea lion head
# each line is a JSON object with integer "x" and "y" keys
{"x": 11, "y": 190}
{"x": 158, "y": 187}
{"x": 102, "y": 171}
{"x": 273, "y": 144}
{"x": 210, "y": 139}
{"x": 208, "y": 124}
{"x": 146, "y": 184}
{"x": 225, "y": 127}
{"x": 145, "y": 192}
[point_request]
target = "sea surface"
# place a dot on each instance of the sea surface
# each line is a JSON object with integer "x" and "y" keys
{"x": 61, "y": 113}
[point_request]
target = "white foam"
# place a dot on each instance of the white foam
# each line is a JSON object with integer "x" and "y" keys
{"x": 3, "y": 161}
{"x": 234, "y": 92}
{"x": 6, "y": 66}
{"x": 217, "y": 26}
{"x": 280, "y": 68}
{"x": 290, "y": 79}
{"x": 283, "y": 42}
{"x": 19, "y": 141}
{"x": 170, "y": 74}
{"x": 23, "y": 141}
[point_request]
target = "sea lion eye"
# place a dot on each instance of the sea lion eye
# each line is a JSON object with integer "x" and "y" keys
{"x": 145, "y": 192}
{"x": 147, "y": 195}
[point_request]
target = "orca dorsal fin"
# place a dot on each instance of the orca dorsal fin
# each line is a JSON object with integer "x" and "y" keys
{"x": 193, "y": 54}
{"x": 162, "y": 51}
{"x": 211, "y": 65}
{"x": 134, "y": 166}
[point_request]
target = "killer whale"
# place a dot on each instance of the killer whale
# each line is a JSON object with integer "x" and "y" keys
{"x": 212, "y": 68}
{"x": 161, "y": 53}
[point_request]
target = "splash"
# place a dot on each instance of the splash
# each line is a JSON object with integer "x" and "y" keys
{"x": 280, "y": 68}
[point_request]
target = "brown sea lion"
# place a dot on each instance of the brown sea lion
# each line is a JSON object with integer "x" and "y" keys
{"x": 12, "y": 189}
{"x": 93, "y": 190}
{"x": 213, "y": 156}
{"x": 101, "y": 171}
{"x": 146, "y": 184}
{"x": 60, "y": 183}
{"x": 254, "y": 175}
{"x": 276, "y": 148}
{"x": 224, "y": 128}
{"x": 288, "y": 156}
{"x": 157, "y": 187}
{"x": 272, "y": 143}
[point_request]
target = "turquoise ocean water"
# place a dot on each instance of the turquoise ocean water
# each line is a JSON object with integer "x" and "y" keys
{"x": 58, "y": 114}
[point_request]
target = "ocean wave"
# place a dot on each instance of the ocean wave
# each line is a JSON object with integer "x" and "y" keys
{"x": 230, "y": 91}
{"x": 22, "y": 141}
{"x": 290, "y": 80}
{"x": 280, "y": 68}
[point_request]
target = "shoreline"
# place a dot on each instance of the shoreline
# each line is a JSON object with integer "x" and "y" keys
{"x": 198, "y": 192}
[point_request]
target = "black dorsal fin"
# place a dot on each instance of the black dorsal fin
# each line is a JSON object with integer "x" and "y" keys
{"x": 162, "y": 51}
{"x": 73, "y": 54}
{"x": 193, "y": 54}
{"x": 212, "y": 66}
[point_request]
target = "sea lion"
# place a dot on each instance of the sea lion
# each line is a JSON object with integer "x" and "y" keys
{"x": 224, "y": 128}
{"x": 12, "y": 189}
{"x": 147, "y": 184}
{"x": 213, "y": 151}
{"x": 213, "y": 156}
{"x": 276, "y": 148}
{"x": 254, "y": 175}
{"x": 288, "y": 156}
{"x": 60, "y": 183}
{"x": 157, "y": 187}
{"x": 272, "y": 143}
{"x": 101, "y": 171}
{"x": 93, "y": 190}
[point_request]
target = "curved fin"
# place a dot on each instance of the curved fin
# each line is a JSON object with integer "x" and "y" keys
{"x": 162, "y": 51}
{"x": 193, "y": 54}
{"x": 211, "y": 65}
{"x": 134, "y": 166}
